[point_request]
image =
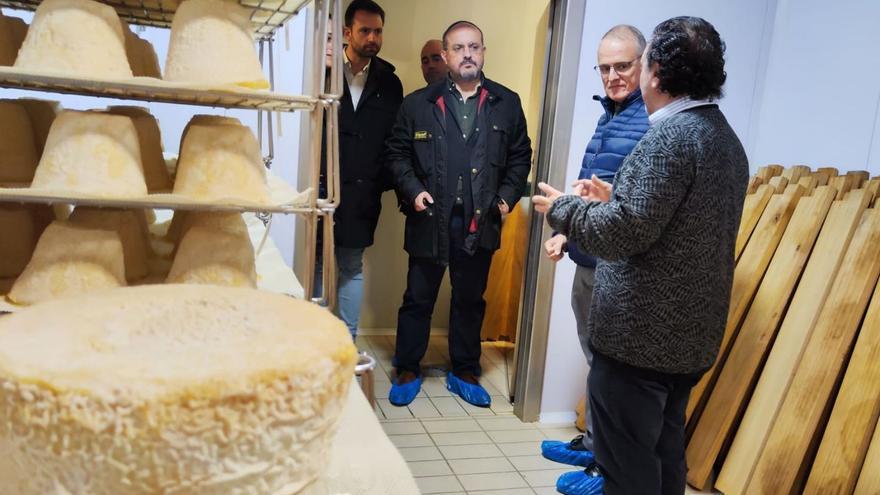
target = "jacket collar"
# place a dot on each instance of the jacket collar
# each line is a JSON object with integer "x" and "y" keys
{"x": 608, "y": 103}
{"x": 437, "y": 89}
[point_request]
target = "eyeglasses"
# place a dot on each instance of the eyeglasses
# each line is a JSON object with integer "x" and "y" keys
{"x": 620, "y": 68}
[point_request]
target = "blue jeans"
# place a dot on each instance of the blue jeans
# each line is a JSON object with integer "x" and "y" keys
{"x": 350, "y": 264}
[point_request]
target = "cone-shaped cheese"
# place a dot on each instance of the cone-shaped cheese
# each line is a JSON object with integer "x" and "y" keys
{"x": 150, "y": 139}
{"x": 12, "y": 33}
{"x": 170, "y": 389}
{"x": 131, "y": 226}
{"x": 42, "y": 114}
{"x": 70, "y": 260}
{"x": 214, "y": 249}
{"x": 211, "y": 43}
{"x": 20, "y": 227}
{"x": 141, "y": 55}
{"x": 81, "y": 38}
{"x": 18, "y": 153}
{"x": 221, "y": 162}
{"x": 92, "y": 153}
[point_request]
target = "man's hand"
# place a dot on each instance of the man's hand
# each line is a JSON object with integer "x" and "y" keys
{"x": 553, "y": 247}
{"x": 594, "y": 189}
{"x": 543, "y": 203}
{"x": 419, "y": 202}
{"x": 502, "y": 207}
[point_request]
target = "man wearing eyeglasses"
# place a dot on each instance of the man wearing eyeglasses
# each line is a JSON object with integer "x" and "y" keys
{"x": 459, "y": 155}
{"x": 619, "y": 129}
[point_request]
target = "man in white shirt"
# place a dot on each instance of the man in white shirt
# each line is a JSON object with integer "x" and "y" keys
{"x": 372, "y": 95}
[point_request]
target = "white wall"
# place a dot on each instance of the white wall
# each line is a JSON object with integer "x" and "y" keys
{"x": 822, "y": 87}
{"x": 172, "y": 118}
{"x": 742, "y": 26}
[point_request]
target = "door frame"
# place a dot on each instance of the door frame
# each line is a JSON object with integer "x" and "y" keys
{"x": 553, "y": 144}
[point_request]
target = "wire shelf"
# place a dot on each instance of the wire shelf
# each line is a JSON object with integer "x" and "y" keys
{"x": 146, "y": 89}
{"x": 266, "y": 15}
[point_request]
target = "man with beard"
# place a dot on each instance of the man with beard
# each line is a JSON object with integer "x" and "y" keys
{"x": 459, "y": 156}
{"x": 372, "y": 95}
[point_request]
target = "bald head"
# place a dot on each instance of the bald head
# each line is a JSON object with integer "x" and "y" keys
{"x": 433, "y": 66}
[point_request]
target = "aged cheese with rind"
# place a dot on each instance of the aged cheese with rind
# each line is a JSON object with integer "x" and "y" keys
{"x": 170, "y": 389}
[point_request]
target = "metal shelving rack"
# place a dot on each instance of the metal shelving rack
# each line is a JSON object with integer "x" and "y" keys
{"x": 322, "y": 102}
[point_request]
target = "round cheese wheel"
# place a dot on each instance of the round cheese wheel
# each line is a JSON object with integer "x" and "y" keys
{"x": 170, "y": 389}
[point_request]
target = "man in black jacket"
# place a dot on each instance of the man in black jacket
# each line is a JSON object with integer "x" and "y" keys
{"x": 459, "y": 156}
{"x": 372, "y": 96}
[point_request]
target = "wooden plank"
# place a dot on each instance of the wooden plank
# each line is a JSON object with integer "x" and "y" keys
{"x": 795, "y": 172}
{"x": 749, "y": 271}
{"x": 753, "y": 208}
{"x": 856, "y": 409}
{"x": 778, "y": 184}
{"x": 740, "y": 372}
{"x": 829, "y": 171}
{"x": 822, "y": 177}
{"x": 873, "y": 186}
{"x": 781, "y": 465}
{"x": 767, "y": 172}
{"x": 754, "y": 183}
{"x": 869, "y": 479}
{"x": 843, "y": 184}
{"x": 810, "y": 297}
{"x": 859, "y": 177}
{"x": 809, "y": 183}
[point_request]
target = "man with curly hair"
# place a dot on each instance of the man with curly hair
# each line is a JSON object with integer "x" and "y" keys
{"x": 665, "y": 241}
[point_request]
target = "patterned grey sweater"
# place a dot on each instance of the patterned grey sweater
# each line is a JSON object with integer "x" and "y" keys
{"x": 665, "y": 243}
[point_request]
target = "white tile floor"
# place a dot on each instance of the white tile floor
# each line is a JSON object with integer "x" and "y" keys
{"x": 455, "y": 448}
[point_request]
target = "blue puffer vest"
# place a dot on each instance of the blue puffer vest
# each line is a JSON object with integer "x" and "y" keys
{"x": 616, "y": 135}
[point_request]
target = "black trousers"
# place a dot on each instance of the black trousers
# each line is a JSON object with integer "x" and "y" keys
{"x": 639, "y": 427}
{"x": 468, "y": 275}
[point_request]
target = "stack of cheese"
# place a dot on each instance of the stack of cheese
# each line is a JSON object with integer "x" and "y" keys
{"x": 170, "y": 389}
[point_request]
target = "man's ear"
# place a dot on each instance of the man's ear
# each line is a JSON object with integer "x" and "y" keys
{"x": 443, "y": 56}
{"x": 346, "y": 34}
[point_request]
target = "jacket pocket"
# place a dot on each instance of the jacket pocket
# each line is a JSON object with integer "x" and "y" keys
{"x": 498, "y": 141}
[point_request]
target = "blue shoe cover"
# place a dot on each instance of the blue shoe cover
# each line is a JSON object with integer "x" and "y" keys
{"x": 580, "y": 483}
{"x": 472, "y": 394}
{"x": 402, "y": 395}
{"x": 572, "y": 453}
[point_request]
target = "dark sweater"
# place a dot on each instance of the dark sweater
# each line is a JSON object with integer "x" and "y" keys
{"x": 666, "y": 244}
